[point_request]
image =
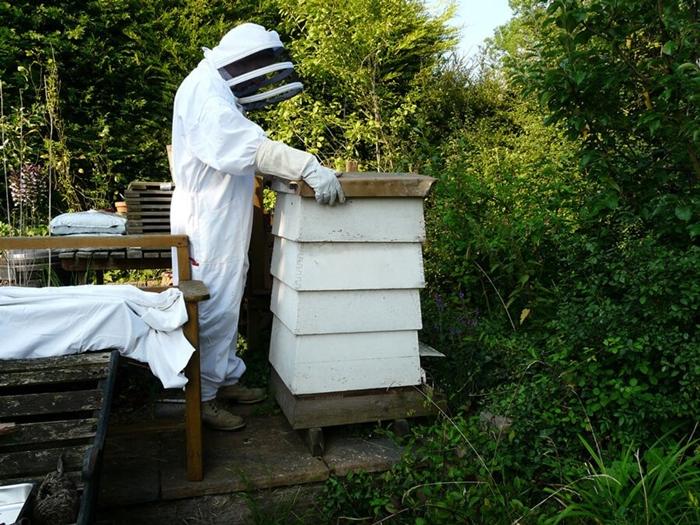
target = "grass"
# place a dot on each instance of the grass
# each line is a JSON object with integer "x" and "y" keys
{"x": 660, "y": 485}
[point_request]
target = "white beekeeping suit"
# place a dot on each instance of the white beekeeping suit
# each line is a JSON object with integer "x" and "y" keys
{"x": 216, "y": 152}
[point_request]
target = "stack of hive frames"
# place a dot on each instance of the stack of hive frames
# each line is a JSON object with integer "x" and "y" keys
{"x": 346, "y": 290}
{"x": 148, "y": 207}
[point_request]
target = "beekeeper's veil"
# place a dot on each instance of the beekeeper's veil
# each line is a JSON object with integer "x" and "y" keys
{"x": 253, "y": 63}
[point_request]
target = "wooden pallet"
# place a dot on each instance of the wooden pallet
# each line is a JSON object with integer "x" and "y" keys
{"x": 51, "y": 407}
{"x": 148, "y": 207}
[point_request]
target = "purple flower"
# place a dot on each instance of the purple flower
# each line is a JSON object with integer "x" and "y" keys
{"x": 439, "y": 302}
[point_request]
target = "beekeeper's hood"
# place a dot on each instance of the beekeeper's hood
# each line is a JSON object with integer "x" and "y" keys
{"x": 253, "y": 63}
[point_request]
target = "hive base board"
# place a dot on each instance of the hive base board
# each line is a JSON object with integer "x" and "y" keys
{"x": 359, "y": 406}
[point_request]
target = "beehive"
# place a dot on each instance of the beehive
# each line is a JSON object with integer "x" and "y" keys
{"x": 346, "y": 286}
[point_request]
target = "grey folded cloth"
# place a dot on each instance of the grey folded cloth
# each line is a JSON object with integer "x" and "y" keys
{"x": 91, "y": 222}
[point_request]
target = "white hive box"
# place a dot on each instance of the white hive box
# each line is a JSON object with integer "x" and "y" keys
{"x": 315, "y": 364}
{"x": 346, "y": 288}
{"x": 347, "y": 266}
{"x": 347, "y": 311}
{"x": 378, "y": 219}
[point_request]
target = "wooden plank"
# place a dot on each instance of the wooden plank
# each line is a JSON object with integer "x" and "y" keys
{"x": 194, "y": 290}
{"x": 136, "y": 207}
{"x": 120, "y": 263}
{"x": 50, "y": 403}
{"x": 42, "y": 461}
{"x": 154, "y": 220}
{"x": 53, "y": 376}
{"x": 81, "y": 241}
{"x": 7, "y": 428}
{"x": 147, "y": 200}
{"x": 366, "y": 184}
{"x": 347, "y": 408}
{"x": 148, "y": 185}
{"x": 50, "y": 431}
{"x": 150, "y": 213}
{"x": 87, "y": 359}
{"x": 147, "y": 193}
{"x": 158, "y": 426}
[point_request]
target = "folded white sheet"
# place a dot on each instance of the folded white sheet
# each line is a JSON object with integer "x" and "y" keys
{"x": 43, "y": 322}
{"x": 91, "y": 222}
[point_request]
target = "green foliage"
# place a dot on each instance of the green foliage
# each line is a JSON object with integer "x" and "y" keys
{"x": 661, "y": 485}
{"x": 622, "y": 75}
{"x": 507, "y": 191}
{"x": 561, "y": 266}
{"x": 448, "y": 474}
{"x": 365, "y": 64}
{"x": 117, "y": 66}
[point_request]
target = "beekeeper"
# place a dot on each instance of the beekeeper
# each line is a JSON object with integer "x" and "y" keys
{"x": 216, "y": 153}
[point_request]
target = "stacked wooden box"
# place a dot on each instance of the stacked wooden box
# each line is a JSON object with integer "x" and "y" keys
{"x": 346, "y": 286}
{"x": 148, "y": 207}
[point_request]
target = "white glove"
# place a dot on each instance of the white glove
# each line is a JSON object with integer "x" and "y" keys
{"x": 325, "y": 183}
{"x": 276, "y": 158}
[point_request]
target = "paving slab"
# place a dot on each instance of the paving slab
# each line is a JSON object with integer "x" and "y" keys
{"x": 289, "y": 505}
{"x": 268, "y": 453}
{"x": 130, "y": 470}
{"x": 346, "y": 454}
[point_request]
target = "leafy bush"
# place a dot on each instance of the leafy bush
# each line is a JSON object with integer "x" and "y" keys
{"x": 623, "y": 76}
{"x": 449, "y": 473}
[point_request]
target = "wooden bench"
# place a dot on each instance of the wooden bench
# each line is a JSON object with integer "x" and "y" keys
{"x": 56, "y": 407}
{"x": 193, "y": 292}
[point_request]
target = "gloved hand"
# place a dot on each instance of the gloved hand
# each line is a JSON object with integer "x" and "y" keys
{"x": 325, "y": 183}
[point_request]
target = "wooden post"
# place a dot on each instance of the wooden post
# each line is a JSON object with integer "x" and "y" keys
{"x": 193, "y": 398}
{"x": 183, "y": 264}
{"x": 193, "y": 389}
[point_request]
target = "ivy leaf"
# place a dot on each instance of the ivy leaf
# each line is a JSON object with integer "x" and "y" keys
{"x": 669, "y": 48}
{"x": 684, "y": 213}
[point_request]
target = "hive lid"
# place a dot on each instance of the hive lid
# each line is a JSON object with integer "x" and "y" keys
{"x": 366, "y": 184}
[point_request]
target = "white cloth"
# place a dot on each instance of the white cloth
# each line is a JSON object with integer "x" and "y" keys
{"x": 91, "y": 222}
{"x": 44, "y": 322}
{"x": 276, "y": 158}
{"x": 214, "y": 147}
